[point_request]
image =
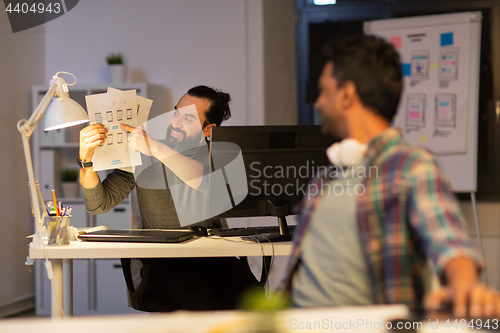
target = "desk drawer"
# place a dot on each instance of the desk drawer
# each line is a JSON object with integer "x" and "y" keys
{"x": 111, "y": 290}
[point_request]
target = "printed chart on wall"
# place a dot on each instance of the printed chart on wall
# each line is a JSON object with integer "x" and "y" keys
{"x": 440, "y": 65}
{"x": 434, "y": 106}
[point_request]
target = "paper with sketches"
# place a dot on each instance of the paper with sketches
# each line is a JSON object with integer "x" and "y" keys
{"x": 143, "y": 109}
{"x": 111, "y": 109}
{"x": 143, "y": 106}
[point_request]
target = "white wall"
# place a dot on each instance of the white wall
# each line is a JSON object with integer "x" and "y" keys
{"x": 175, "y": 43}
{"x": 21, "y": 65}
{"x": 280, "y": 63}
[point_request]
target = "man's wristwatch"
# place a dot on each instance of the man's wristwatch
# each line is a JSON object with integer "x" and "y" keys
{"x": 83, "y": 164}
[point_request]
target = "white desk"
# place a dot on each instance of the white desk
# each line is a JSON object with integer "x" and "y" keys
{"x": 62, "y": 257}
{"x": 338, "y": 320}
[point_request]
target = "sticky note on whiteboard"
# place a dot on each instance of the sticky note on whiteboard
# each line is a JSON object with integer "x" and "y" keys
{"x": 396, "y": 41}
{"x": 447, "y": 39}
{"x": 406, "y": 69}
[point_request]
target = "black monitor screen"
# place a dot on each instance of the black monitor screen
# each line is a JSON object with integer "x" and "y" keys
{"x": 279, "y": 162}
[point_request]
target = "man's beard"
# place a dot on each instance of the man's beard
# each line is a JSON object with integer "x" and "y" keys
{"x": 184, "y": 143}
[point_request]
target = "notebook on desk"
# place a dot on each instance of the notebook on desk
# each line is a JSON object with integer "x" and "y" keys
{"x": 139, "y": 235}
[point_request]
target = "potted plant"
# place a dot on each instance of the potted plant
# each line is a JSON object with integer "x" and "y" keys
{"x": 117, "y": 68}
{"x": 265, "y": 310}
{"x": 69, "y": 183}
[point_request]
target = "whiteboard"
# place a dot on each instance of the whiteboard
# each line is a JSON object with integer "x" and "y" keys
{"x": 440, "y": 57}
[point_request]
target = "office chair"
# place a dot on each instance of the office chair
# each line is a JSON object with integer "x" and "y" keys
{"x": 137, "y": 295}
{"x": 141, "y": 301}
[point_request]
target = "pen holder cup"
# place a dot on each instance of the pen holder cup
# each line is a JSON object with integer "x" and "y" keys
{"x": 58, "y": 230}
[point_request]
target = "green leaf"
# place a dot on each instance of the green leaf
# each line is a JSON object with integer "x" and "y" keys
{"x": 115, "y": 59}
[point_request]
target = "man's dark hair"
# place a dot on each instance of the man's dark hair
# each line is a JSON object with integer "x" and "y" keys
{"x": 373, "y": 65}
{"x": 219, "y": 107}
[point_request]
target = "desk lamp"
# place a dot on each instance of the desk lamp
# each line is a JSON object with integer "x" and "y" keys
{"x": 61, "y": 112}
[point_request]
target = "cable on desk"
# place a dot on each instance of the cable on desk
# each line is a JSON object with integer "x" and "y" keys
{"x": 272, "y": 257}
{"x": 266, "y": 285}
{"x": 266, "y": 272}
{"x": 253, "y": 240}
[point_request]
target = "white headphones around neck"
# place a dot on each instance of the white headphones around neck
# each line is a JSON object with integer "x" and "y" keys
{"x": 348, "y": 152}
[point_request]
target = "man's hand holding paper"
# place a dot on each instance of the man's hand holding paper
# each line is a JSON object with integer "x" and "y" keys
{"x": 110, "y": 110}
{"x": 91, "y": 137}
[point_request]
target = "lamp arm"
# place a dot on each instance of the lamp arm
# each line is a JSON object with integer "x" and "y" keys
{"x": 35, "y": 203}
{"x": 26, "y": 127}
{"x": 29, "y": 125}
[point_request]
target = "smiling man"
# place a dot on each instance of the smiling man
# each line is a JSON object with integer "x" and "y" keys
{"x": 183, "y": 131}
{"x": 371, "y": 248}
{"x": 171, "y": 193}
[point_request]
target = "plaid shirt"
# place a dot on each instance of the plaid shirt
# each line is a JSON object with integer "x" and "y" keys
{"x": 406, "y": 214}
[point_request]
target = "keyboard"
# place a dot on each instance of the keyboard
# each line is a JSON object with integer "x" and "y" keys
{"x": 247, "y": 231}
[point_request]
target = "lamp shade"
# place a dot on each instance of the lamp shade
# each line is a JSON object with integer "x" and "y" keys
{"x": 64, "y": 112}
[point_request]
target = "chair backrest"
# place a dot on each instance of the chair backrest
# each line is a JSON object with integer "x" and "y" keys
{"x": 136, "y": 295}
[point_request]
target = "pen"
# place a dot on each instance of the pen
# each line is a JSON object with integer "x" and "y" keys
{"x": 55, "y": 205}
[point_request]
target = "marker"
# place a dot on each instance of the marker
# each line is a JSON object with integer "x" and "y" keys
{"x": 55, "y": 205}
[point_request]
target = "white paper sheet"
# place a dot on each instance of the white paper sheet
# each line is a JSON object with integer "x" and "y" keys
{"x": 111, "y": 109}
{"x": 143, "y": 109}
{"x": 143, "y": 106}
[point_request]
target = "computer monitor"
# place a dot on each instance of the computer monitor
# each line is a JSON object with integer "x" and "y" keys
{"x": 279, "y": 162}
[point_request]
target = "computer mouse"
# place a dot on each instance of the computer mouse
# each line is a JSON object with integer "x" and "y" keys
{"x": 199, "y": 230}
